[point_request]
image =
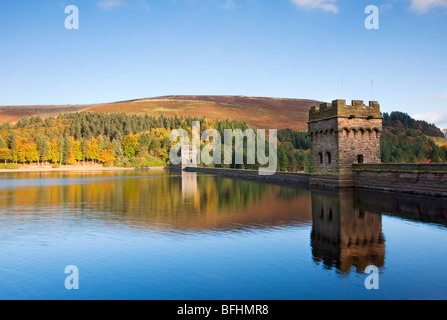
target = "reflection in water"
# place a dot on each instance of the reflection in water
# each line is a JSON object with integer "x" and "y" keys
{"x": 159, "y": 235}
{"x": 159, "y": 201}
{"x": 189, "y": 184}
{"x": 346, "y": 226}
{"x": 406, "y": 206}
{"x": 343, "y": 235}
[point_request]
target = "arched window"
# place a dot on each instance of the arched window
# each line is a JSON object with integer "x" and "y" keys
{"x": 320, "y": 158}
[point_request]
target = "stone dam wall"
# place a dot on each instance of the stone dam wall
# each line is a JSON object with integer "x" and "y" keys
{"x": 425, "y": 179}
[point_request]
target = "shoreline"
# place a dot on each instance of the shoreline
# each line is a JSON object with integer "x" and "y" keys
{"x": 80, "y": 169}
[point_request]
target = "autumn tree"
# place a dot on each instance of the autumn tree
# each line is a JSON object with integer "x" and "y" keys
{"x": 53, "y": 151}
{"x": 76, "y": 148}
{"x": 106, "y": 156}
{"x": 27, "y": 151}
{"x": 5, "y": 154}
{"x": 92, "y": 152}
{"x": 131, "y": 145}
{"x": 21, "y": 150}
{"x": 32, "y": 155}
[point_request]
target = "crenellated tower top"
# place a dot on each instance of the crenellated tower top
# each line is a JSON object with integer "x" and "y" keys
{"x": 339, "y": 109}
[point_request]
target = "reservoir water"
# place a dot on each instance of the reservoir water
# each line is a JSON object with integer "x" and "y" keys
{"x": 160, "y": 235}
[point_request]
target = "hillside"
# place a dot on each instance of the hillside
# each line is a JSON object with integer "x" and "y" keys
{"x": 13, "y": 113}
{"x": 399, "y": 119}
{"x": 440, "y": 142}
{"x": 257, "y": 112}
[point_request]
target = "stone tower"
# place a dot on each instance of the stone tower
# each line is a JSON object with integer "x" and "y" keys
{"x": 342, "y": 135}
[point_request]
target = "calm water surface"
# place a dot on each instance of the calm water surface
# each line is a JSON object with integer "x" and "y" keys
{"x": 158, "y": 235}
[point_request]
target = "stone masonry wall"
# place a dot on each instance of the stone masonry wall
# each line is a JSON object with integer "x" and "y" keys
{"x": 358, "y": 137}
{"x": 324, "y": 141}
{"x": 344, "y": 139}
{"x": 427, "y": 179}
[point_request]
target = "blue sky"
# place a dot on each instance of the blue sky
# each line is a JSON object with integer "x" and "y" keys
{"x": 128, "y": 49}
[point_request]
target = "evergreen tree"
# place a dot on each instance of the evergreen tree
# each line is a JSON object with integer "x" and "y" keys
{"x": 2, "y": 143}
{"x": 117, "y": 150}
{"x": 67, "y": 156}
{"x": 84, "y": 147}
{"x": 61, "y": 150}
{"x": 102, "y": 142}
{"x": 13, "y": 146}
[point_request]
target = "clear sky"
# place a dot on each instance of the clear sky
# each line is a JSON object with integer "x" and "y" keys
{"x": 129, "y": 49}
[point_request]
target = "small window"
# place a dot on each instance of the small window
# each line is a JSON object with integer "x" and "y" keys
{"x": 320, "y": 156}
{"x": 328, "y": 158}
{"x": 362, "y": 214}
{"x": 360, "y": 158}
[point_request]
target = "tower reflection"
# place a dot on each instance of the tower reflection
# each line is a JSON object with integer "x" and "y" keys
{"x": 189, "y": 184}
{"x": 344, "y": 235}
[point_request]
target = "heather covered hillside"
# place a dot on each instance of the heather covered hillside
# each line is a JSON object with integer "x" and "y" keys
{"x": 257, "y": 112}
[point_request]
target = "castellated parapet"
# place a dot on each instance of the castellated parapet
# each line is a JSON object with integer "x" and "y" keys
{"x": 342, "y": 135}
{"x": 338, "y": 108}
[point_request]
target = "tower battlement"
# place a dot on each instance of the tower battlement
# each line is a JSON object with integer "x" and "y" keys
{"x": 339, "y": 109}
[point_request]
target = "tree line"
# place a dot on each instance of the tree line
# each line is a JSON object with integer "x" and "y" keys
{"x": 406, "y": 140}
{"x": 120, "y": 139}
{"x": 403, "y": 120}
